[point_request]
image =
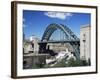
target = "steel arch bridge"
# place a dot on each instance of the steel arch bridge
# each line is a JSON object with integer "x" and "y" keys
{"x": 53, "y": 27}
{"x": 71, "y": 38}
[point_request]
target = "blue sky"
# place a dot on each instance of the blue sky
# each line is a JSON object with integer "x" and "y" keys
{"x": 35, "y": 22}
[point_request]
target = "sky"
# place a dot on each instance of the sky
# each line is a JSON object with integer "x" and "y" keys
{"x": 35, "y": 22}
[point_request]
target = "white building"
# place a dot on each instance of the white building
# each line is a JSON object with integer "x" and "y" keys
{"x": 27, "y": 46}
{"x": 35, "y": 41}
{"x": 85, "y": 40}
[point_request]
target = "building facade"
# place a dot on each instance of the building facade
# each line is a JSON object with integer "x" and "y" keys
{"x": 85, "y": 40}
{"x": 31, "y": 56}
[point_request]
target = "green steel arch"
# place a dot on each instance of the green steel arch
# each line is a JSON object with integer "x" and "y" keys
{"x": 52, "y": 27}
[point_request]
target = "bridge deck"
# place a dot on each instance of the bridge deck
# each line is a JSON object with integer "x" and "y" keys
{"x": 60, "y": 41}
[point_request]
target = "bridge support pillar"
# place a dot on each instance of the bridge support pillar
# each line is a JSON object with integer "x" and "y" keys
{"x": 42, "y": 47}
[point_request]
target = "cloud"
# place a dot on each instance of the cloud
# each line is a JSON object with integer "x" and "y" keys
{"x": 59, "y": 15}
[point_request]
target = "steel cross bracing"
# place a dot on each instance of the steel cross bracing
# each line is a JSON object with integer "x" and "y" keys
{"x": 71, "y": 37}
